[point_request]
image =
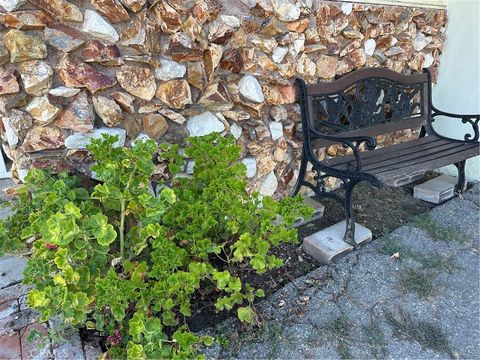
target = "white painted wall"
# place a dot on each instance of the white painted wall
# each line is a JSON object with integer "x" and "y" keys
{"x": 458, "y": 86}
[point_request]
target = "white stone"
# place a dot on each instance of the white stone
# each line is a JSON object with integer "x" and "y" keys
{"x": 204, "y": 124}
{"x": 97, "y": 26}
{"x": 64, "y": 91}
{"x": 436, "y": 190}
{"x": 369, "y": 47}
{"x": 421, "y": 41}
{"x": 11, "y": 5}
{"x": 189, "y": 167}
{"x": 230, "y": 20}
{"x": 250, "y": 88}
{"x": 297, "y": 46}
{"x": 347, "y": 8}
{"x": 170, "y": 70}
{"x": 22, "y": 174}
{"x": 236, "y": 130}
{"x": 36, "y": 77}
{"x": 12, "y": 138}
{"x": 251, "y": 164}
{"x": 276, "y": 130}
{"x": 278, "y": 113}
{"x": 80, "y": 141}
{"x": 428, "y": 60}
{"x": 269, "y": 185}
{"x": 327, "y": 244}
{"x": 279, "y": 53}
{"x": 286, "y": 10}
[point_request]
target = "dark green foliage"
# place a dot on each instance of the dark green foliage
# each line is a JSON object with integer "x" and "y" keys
{"x": 120, "y": 260}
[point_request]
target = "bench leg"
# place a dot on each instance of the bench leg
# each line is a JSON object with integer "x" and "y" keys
{"x": 349, "y": 237}
{"x": 461, "y": 182}
{"x": 301, "y": 174}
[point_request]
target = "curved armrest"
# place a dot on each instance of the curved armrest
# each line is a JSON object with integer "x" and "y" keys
{"x": 473, "y": 120}
{"x": 353, "y": 142}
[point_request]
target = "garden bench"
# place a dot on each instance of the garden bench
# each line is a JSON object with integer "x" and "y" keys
{"x": 366, "y": 103}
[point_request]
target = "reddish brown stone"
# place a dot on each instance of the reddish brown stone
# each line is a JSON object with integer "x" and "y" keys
{"x": 206, "y": 10}
{"x": 196, "y": 76}
{"x": 232, "y": 61}
{"x": 218, "y": 32}
{"x": 325, "y": 12}
{"x": 192, "y": 27}
{"x": 299, "y": 26}
{"x": 8, "y": 83}
{"x": 326, "y": 66}
{"x": 168, "y": 18}
{"x": 77, "y": 74}
{"x": 154, "y": 125}
{"x": 124, "y": 100}
{"x": 273, "y": 27}
{"x": 25, "y": 20}
{"x": 174, "y": 93}
{"x": 43, "y": 138}
{"x": 60, "y": 9}
{"x": 279, "y": 95}
{"x": 134, "y": 5}
{"x": 357, "y": 58}
{"x": 386, "y": 42}
{"x": 36, "y": 348}
{"x": 96, "y": 51}
{"x": 212, "y": 56}
{"x": 78, "y": 116}
{"x": 111, "y": 9}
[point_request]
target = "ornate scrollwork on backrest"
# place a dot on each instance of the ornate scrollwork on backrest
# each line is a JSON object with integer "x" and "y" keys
{"x": 365, "y": 103}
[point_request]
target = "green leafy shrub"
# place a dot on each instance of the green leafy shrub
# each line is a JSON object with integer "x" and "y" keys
{"x": 117, "y": 259}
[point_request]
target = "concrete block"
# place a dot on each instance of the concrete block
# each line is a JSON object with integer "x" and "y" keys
{"x": 327, "y": 245}
{"x": 11, "y": 270}
{"x": 317, "y": 214}
{"x": 407, "y": 179}
{"x": 10, "y": 346}
{"x": 436, "y": 190}
{"x": 8, "y": 308}
{"x": 38, "y": 348}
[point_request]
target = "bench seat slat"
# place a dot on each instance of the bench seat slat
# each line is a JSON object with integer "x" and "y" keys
{"x": 410, "y": 157}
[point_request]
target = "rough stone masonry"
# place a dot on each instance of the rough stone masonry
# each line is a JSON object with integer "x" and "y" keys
{"x": 167, "y": 69}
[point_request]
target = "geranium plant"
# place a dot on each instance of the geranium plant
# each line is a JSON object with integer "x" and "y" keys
{"x": 118, "y": 259}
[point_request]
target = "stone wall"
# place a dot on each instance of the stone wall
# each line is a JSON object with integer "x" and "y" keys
{"x": 167, "y": 69}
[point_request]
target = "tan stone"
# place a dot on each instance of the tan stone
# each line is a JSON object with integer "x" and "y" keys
{"x": 24, "y": 47}
{"x": 132, "y": 124}
{"x": 154, "y": 125}
{"x": 138, "y": 81}
{"x": 36, "y": 77}
{"x": 192, "y": 27}
{"x": 111, "y": 9}
{"x": 4, "y": 54}
{"x": 134, "y": 5}
{"x": 196, "y": 76}
{"x": 305, "y": 66}
{"x": 167, "y": 17}
{"x": 232, "y": 61}
{"x": 43, "y": 138}
{"x": 42, "y": 110}
{"x": 299, "y": 26}
{"x": 357, "y": 58}
{"x": 24, "y": 20}
{"x": 326, "y": 66}
{"x": 218, "y": 32}
{"x": 279, "y": 95}
{"x": 173, "y": 116}
{"x": 63, "y": 41}
{"x": 60, "y": 9}
{"x": 78, "y": 116}
{"x": 174, "y": 93}
{"x": 273, "y": 27}
{"x": 266, "y": 63}
{"x": 124, "y": 100}
{"x": 79, "y": 75}
{"x": 108, "y": 110}
{"x": 8, "y": 82}
{"x": 212, "y": 56}
{"x": 215, "y": 97}
{"x": 206, "y": 10}
{"x": 183, "y": 49}
{"x": 106, "y": 54}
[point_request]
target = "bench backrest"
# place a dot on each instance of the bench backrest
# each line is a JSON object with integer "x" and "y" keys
{"x": 369, "y": 101}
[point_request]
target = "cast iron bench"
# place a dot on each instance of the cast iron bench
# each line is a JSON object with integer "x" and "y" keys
{"x": 366, "y": 103}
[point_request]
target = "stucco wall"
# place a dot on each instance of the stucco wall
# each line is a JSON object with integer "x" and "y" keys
{"x": 458, "y": 86}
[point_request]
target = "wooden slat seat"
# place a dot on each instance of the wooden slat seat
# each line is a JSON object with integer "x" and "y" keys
{"x": 396, "y": 161}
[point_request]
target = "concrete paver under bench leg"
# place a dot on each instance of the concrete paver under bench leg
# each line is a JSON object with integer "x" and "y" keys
{"x": 327, "y": 244}
{"x": 436, "y": 190}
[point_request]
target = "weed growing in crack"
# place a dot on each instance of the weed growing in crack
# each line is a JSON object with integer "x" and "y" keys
{"x": 375, "y": 338}
{"x": 340, "y": 329}
{"x": 427, "y": 334}
{"x": 436, "y": 262}
{"x": 435, "y": 231}
{"x": 417, "y": 280}
{"x": 391, "y": 245}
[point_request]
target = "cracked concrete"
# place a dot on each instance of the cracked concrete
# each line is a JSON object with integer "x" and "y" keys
{"x": 358, "y": 307}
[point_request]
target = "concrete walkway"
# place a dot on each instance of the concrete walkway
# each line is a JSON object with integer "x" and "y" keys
{"x": 412, "y": 294}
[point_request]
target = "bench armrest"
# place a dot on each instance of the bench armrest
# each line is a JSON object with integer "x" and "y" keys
{"x": 353, "y": 142}
{"x": 473, "y": 120}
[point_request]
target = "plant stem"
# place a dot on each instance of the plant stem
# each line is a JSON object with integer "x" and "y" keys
{"x": 122, "y": 225}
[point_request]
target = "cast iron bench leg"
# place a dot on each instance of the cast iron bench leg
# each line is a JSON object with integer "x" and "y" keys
{"x": 349, "y": 237}
{"x": 301, "y": 174}
{"x": 461, "y": 182}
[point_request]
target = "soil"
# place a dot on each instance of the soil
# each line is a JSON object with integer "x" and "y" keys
{"x": 380, "y": 211}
